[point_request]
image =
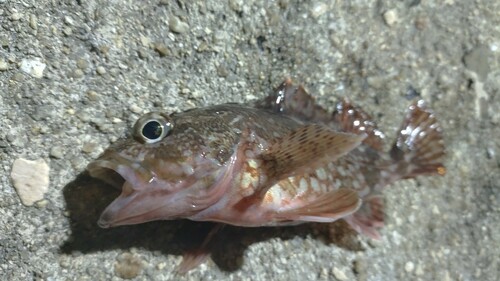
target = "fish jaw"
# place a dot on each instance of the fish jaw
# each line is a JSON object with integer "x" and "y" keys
{"x": 145, "y": 195}
{"x": 134, "y": 207}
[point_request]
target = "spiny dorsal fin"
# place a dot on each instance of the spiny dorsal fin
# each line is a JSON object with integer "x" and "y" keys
{"x": 294, "y": 101}
{"x": 352, "y": 119}
{"x": 306, "y": 149}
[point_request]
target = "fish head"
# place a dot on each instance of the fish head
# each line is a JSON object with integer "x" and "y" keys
{"x": 168, "y": 168}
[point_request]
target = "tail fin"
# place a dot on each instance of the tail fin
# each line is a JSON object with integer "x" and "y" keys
{"x": 418, "y": 150}
{"x": 419, "y": 147}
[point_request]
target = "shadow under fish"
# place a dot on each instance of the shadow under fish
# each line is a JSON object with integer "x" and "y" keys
{"x": 284, "y": 162}
{"x": 87, "y": 197}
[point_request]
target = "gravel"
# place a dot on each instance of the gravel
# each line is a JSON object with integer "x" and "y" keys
{"x": 75, "y": 75}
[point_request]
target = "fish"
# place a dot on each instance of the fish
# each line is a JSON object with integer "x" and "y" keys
{"x": 284, "y": 160}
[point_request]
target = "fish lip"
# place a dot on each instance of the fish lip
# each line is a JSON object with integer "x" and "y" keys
{"x": 125, "y": 174}
{"x": 135, "y": 181}
{"x": 113, "y": 217}
{"x": 116, "y": 169}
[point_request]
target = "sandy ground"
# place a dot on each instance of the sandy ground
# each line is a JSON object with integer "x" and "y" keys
{"x": 107, "y": 62}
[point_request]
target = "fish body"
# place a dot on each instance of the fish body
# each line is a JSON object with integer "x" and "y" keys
{"x": 283, "y": 161}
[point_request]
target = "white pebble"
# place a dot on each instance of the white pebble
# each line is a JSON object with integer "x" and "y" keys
{"x": 390, "y": 17}
{"x": 339, "y": 274}
{"x": 30, "y": 179}
{"x": 135, "y": 108}
{"x": 3, "y": 65}
{"x": 33, "y": 67}
{"x": 409, "y": 267}
{"x": 178, "y": 26}
{"x": 319, "y": 9}
{"x": 16, "y": 16}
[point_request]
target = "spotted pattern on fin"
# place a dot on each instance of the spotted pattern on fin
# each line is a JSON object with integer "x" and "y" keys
{"x": 307, "y": 148}
{"x": 354, "y": 120}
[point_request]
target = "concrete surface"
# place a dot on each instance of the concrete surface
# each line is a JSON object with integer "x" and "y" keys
{"x": 75, "y": 75}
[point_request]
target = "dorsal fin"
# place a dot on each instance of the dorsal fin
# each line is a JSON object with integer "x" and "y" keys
{"x": 352, "y": 119}
{"x": 307, "y": 148}
{"x": 294, "y": 101}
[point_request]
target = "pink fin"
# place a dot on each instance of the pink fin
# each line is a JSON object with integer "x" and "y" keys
{"x": 369, "y": 217}
{"x": 327, "y": 207}
{"x": 419, "y": 147}
{"x": 352, "y": 119}
{"x": 307, "y": 148}
{"x": 198, "y": 256}
{"x": 191, "y": 260}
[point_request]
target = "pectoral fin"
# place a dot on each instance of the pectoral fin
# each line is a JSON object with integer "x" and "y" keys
{"x": 327, "y": 207}
{"x": 306, "y": 149}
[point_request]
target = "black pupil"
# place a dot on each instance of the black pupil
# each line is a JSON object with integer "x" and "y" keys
{"x": 152, "y": 130}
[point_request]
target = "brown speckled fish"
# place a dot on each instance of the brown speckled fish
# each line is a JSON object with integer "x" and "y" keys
{"x": 285, "y": 161}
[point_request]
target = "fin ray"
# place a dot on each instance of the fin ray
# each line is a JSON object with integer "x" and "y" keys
{"x": 328, "y": 207}
{"x": 294, "y": 101}
{"x": 307, "y": 148}
{"x": 369, "y": 217}
{"x": 419, "y": 147}
{"x": 352, "y": 119}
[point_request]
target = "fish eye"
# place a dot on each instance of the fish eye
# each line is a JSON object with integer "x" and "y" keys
{"x": 152, "y": 127}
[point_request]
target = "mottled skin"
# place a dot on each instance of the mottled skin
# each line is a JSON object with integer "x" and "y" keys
{"x": 180, "y": 176}
{"x": 284, "y": 161}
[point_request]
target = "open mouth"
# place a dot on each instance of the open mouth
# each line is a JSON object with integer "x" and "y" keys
{"x": 127, "y": 175}
{"x": 115, "y": 169}
{"x": 146, "y": 196}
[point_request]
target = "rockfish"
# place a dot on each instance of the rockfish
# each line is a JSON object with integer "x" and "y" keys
{"x": 283, "y": 161}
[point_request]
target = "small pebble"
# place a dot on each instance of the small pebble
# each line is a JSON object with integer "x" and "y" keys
{"x": 77, "y": 73}
{"x": 56, "y": 152}
{"x": 78, "y": 164}
{"x": 409, "y": 267}
{"x": 82, "y": 64}
{"x": 162, "y": 49}
{"x": 30, "y": 179}
{"x": 42, "y": 203}
{"x": 67, "y": 31}
{"x": 145, "y": 41}
{"x": 101, "y": 70}
{"x": 390, "y": 17}
{"x": 89, "y": 147}
{"x": 142, "y": 53}
{"x": 222, "y": 71}
{"x": 319, "y": 9}
{"x": 33, "y": 22}
{"x": 18, "y": 77}
{"x": 236, "y": 5}
{"x": 15, "y": 16}
{"x": 33, "y": 67}
{"x": 3, "y": 65}
{"x": 135, "y": 109}
{"x": 339, "y": 274}
{"x": 128, "y": 266}
{"x": 93, "y": 95}
{"x": 177, "y": 26}
{"x": 68, "y": 20}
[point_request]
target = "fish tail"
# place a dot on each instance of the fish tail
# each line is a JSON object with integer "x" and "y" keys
{"x": 418, "y": 150}
{"x": 419, "y": 147}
